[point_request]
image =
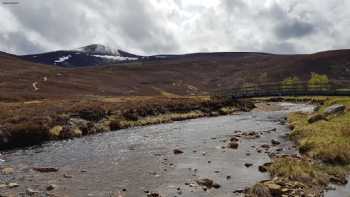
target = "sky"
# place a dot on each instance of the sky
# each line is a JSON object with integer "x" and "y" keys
{"x": 149, "y": 27}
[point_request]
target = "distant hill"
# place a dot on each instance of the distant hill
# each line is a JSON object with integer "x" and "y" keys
{"x": 186, "y": 74}
{"x": 91, "y": 55}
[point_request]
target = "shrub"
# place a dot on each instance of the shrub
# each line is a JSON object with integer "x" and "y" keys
{"x": 318, "y": 81}
{"x": 291, "y": 82}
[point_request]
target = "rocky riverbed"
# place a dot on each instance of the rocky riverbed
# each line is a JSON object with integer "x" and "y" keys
{"x": 217, "y": 156}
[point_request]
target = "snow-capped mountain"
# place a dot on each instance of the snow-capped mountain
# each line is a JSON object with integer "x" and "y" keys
{"x": 91, "y": 55}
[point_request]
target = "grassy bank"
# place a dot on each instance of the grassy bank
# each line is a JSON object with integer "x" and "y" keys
{"x": 327, "y": 140}
{"x": 325, "y": 153}
{"x": 30, "y": 123}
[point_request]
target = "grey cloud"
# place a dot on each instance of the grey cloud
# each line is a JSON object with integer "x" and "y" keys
{"x": 142, "y": 27}
{"x": 17, "y": 42}
{"x": 288, "y": 26}
{"x": 178, "y": 26}
{"x": 294, "y": 29}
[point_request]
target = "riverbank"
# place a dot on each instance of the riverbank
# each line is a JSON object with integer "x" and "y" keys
{"x": 323, "y": 141}
{"x": 34, "y": 122}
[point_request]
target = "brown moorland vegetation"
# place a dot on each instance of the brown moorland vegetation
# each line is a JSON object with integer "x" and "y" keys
{"x": 193, "y": 74}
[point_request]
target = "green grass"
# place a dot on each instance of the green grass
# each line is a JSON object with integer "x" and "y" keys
{"x": 328, "y": 140}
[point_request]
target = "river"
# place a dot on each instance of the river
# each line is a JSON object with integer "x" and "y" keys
{"x": 135, "y": 161}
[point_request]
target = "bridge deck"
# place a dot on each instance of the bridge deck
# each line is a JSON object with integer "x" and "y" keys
{"x": 300, "y": 89}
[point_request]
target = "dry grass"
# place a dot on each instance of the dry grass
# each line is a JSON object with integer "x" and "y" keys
{"x": 327, "y": 140}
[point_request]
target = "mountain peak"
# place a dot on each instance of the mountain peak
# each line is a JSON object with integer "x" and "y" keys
{"x": 99, "y": 49}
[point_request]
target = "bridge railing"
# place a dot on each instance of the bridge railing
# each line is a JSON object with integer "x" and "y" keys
{"x": 341, "y": 88}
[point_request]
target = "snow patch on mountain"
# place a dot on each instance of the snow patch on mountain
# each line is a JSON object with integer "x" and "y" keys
{"x": 62, "y": 59}
{"x": 117, "y": 58}
{"x": 99, "y": 49}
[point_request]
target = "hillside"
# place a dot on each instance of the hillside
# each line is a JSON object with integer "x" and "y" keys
{"x": 180, "y": 74}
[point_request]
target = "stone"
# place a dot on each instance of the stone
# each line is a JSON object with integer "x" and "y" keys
{"x": 177, "y": 151}
{"x": 233, "y": 145}
{"x": 248, "y": 165}
{"x": 46, "y": 170}
{"x": 314, "y": 118}
{"x": 265, "y": 146}
{"x": 274, "y": 188}
{"x": 275, "y": 142}
{"x": 264, "y": 167}
{"x": 208, "y": 183}
{"x": 51, "y": 187}
{"x": 12, "y": 185}
{"x": 67, "y": 176}
{"x": 234, "y": 139}
{"x": 153, "y": 195}
{"x": 7, "y": 171}
{"x": 216, "y": 186}
{"x": 334, "y": 109}
{"x": 31, "y": 192}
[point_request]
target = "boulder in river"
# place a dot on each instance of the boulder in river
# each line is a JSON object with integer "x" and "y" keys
{"x": 153, "y": 195}
{"x": 12, "y": 185}
{"x": 248, "y": 165}
{"x": 31, "y": 192}
{"x": 264, "y": 168}
{"x": 275, "y": 142}
{"x": 208, "y": 183}
{"x": 233, "y": 145}
{"x": 51, "y": 187}
{"x": 46, "y": 169}
{"x": 334, "y": 109}
{"x": 177, "y": 151}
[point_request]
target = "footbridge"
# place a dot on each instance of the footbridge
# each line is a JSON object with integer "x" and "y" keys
{"x": 336, "y": 88}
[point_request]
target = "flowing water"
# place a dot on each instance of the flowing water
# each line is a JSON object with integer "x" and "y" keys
{"x": 133, "y": 161}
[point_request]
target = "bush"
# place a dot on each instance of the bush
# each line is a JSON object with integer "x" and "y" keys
{"x": 318, "y": 81}
{"x": 291, "y": 83}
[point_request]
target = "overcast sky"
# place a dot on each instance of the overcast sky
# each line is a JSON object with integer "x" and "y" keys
{"x": 176, "y": 26}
